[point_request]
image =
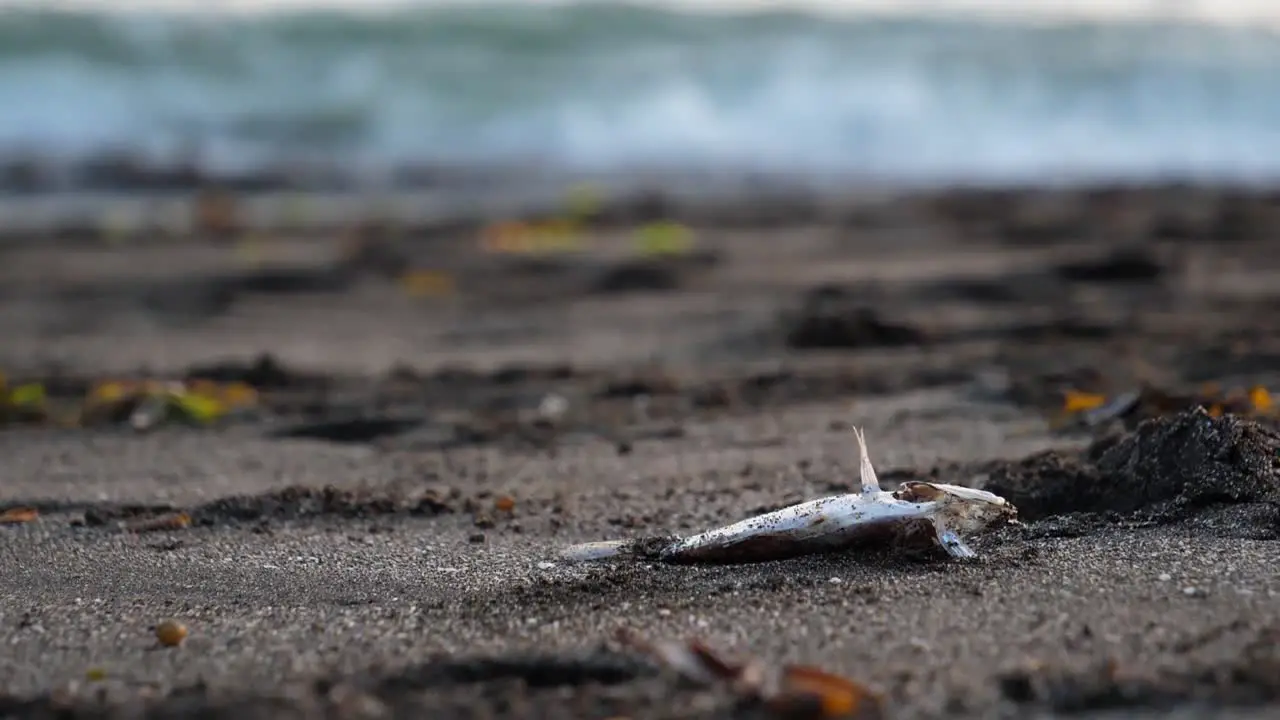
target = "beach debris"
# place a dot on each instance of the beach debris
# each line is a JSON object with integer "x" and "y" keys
{"x": 18, "y": 515}
{"x": 504, "y": 504}
{"x": 787, "y": 691}
{"x": 663, "y": 238}
{"x": 1092, "y": 409}
{"x": 142, "y": 403}
{"x": 168, "y": 521}
{"x": 145, "y": 404}
{"x": 556, "y": 235}
{"x": 944, "y": 514}
{"x": 427, "y": 283}
{"x": 21, "y": 403}
{"x": 171, "y": 633}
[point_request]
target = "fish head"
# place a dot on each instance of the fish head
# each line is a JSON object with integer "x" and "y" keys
{"x": 963, "y": 509}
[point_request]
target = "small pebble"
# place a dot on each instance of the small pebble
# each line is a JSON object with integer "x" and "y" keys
{"x": 1190, "y": 591}
{"x": 836, "y": 581}
{"x": 476, "y": 537}
{"x": 546, "y": 565}
{"x": 171, "y": 633}
{"x": 1165, "y": 577}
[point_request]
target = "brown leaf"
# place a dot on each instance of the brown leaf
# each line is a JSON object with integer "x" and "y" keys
{"x": 791, "y": 692}
{"x": 171, "y": 521}
{"x": 18, "y": 515}
{"x": 836, "y": 697}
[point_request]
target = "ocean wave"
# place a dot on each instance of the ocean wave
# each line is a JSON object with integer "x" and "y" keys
{"x": 601, "y": 86}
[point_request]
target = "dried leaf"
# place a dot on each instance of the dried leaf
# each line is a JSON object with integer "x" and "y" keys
{"x": 504, "y": 503}
{"x": 788, "y": 691}
{"x": 420, "y": 283}
{"x": 837, "y": 697}
{"x": 199, "y": 408}
{"x": 18, "y": 515}
{"x": 238, "y": 394}
{"x": 110, "y": 391}
{"x": 28, "y": 395}
{"x": 664, "y": 238}
{"x": 171, "y": 521}
{"x": 1075, "y": 401}
{"x": 1260, "y": 399}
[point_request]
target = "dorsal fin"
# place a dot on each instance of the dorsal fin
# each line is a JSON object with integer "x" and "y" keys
{"x": 870, "y": 484}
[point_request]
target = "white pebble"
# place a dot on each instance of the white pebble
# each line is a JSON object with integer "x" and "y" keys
{"x": 836, "y": 581}
{"x": 1165, "y": 577}
{"x": 1189, "y": 591}
{"x": 546, "y": 565}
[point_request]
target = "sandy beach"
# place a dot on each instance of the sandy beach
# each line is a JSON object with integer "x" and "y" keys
{"x": 380, "y": 537}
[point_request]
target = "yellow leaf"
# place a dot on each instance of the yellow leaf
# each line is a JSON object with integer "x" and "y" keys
{"x": 1075, "y": 401}
{"x": 108, "y": 391}
{"x": 1261, "y": 399}
{"x": 664, "y": 238}
{"x": 28, "y": 395}
{"x": 200, "y": 408}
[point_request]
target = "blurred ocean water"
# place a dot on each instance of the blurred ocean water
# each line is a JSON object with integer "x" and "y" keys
{"x": 915, "y": 91}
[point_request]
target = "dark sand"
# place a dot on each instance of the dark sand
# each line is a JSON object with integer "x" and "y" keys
{"x": 342, "y": 572}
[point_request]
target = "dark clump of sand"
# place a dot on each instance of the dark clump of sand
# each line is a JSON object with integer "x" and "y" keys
{"x": 1167, "y": 469}
{"x": 379, "y": 536}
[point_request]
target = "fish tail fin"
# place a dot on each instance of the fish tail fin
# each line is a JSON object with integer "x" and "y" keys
{"x": 602, "y": 550}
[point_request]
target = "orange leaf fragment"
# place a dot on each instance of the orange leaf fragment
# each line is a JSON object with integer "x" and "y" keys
{"x": 18, "y": 515}
{"x": 427, "y": 282}
{"x": 838, "y": 697}
{"x": 504, "y": 503}
{"x": 172, "y": 521}
{"x": 1260, "y": 399}
{"x": 1075, "y": 401}
{"x": 1215, "y": 410}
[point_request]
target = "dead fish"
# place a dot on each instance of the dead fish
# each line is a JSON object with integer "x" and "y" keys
{"x": 946, "y": 513}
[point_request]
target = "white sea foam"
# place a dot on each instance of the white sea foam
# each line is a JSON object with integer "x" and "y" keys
{"x": 1233, "y": 12}
{"x": 916, "y": 97}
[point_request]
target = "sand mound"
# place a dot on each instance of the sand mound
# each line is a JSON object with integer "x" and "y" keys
{"x": 1167, "y": 469}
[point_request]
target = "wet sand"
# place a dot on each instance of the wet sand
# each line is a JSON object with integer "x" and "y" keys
{"x": 350, "y": 555}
